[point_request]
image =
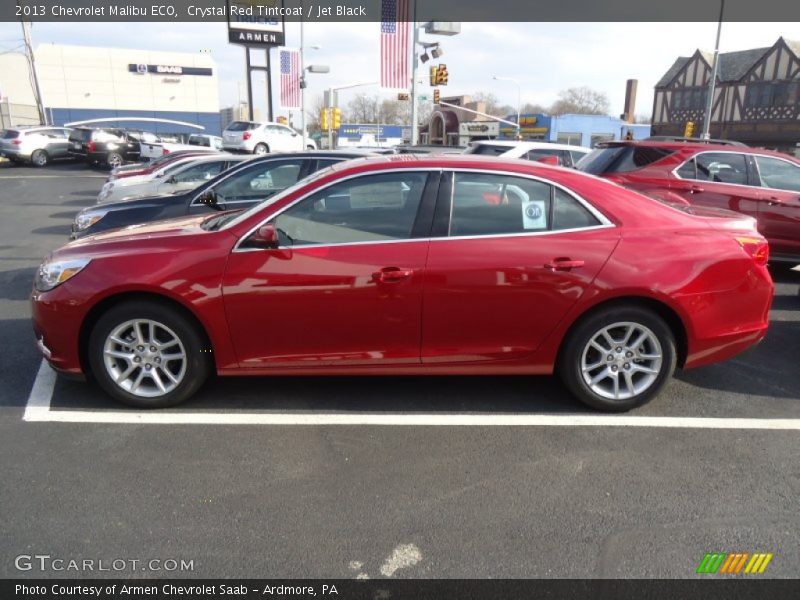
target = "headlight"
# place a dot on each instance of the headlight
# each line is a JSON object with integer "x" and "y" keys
{"x": 52, "y": 274}
{"x": 85, "y": 220}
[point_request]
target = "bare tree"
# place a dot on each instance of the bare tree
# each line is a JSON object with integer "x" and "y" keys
{"x": 530, "y": 108}
{"x": 313, "y": 110}
{"x": 581, "y": 100}
{"x": 363, "y": 109}
{"x": 493, "y": 106}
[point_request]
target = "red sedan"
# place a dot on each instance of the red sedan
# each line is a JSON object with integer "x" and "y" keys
{"x": 412, "y": 265}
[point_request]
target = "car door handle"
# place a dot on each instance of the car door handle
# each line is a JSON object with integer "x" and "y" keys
{"x": 696, "y": 189}
{"x": 563, "y": 264}
{"x": 391, "y": 275}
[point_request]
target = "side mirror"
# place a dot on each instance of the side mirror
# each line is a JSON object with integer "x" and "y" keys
{"x": 549, "y": 160}
{"x": 209, "y": 198}
{"x": 171, "y": 180}
{"x": 265, "y": 236}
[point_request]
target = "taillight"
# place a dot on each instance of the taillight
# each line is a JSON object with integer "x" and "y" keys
{"x": 164, "y": 152}
{"x": 246, "y": 135}
{"x": 757, "y": 248}
{"x": 91, "y": 146}
{"x": 16, "y": 142}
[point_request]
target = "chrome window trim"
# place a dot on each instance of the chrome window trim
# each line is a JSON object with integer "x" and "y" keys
{"x": 674, "y": 171}
{"x": 241, "y": 162}
{"x": 605, "y": 222}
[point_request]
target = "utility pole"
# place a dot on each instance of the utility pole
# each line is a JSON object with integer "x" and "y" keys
{"x": 302, "y": 82}
{"x": 713, "y": 80}
{"x": 37, "y": 92}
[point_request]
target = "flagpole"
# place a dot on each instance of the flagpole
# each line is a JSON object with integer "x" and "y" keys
{"x": 302, "y": 82}
{"x": 414, "y": 41}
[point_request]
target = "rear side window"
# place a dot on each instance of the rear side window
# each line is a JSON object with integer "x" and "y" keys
{"x": 485, "y": 204}
{"x": 81, "y": 135}
{"x": 720, "y": 167}
{"x": 778, "y": 174}
{"x": 241, "y": 126}
{"x": 598, "y": 160}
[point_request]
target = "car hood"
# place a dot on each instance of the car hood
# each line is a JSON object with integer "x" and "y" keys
{"x": 159, "y": 200}
{"x": 142, "y": 232}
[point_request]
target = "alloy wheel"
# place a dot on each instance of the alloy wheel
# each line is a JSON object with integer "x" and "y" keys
{"x": 145, "y": 358}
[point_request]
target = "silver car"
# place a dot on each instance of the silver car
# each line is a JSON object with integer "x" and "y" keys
{"x": 38, "y": 145}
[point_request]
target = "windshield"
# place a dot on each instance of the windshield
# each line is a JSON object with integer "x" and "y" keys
{"x": 241, "y": 126}
{"x": 279, "y": 196}
{"x": 599, "y": 159}
{"x": 487, "y": 149}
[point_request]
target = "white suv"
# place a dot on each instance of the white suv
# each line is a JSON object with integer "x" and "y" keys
{"x": 262, "y": 138}
{"x": 567, "y": 156}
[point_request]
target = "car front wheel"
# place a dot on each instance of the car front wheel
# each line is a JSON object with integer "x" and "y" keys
{"x": 618, "y": 358}
{"x": 148, "y": 355}
{"x": 114, "y": 160}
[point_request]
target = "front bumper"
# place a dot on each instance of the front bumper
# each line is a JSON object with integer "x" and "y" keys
{"x": 56, "y": 324}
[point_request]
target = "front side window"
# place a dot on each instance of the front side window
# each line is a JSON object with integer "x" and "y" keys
{"x": 721, "y": 167}
{"x": 778, "y": 174}
{"x": 258, "y": 182}
{"x": 485, "y": 204}
{"x": 487, "y": 149}
{"x": 371, "y": 208}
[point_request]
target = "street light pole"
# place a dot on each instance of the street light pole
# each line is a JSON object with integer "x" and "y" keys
{"x": 519, "y": 97}
{"x": 713, "y": 80}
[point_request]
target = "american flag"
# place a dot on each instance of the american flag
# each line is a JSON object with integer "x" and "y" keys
{"x": 290, "y": 78}
{"x": 394, "y": 44}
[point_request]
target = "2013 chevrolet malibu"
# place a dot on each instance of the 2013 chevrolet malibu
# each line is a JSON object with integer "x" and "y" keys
{"x": 412, "y": 265}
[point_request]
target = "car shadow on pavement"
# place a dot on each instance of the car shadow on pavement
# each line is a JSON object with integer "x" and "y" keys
{"x": 374, "y": 394}
{"x": 54, "y": 230}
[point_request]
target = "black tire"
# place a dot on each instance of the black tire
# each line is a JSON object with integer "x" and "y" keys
{"x": 40, "y": 158}
{"x": 198, "y": 364}
{"x": 114, "y": 159}
{"x": 570, "y": 366}
{"x": 262, "y": 146}
{"x": 312, "y": 148}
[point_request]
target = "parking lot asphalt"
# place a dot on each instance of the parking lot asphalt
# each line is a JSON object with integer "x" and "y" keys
{"x": 391, "y": 500}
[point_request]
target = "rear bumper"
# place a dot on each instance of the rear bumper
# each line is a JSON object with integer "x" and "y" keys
{"x": 247, "y": 146}
{"x": 15, "y": 153}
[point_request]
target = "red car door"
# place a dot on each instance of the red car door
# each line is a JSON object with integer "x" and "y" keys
{"x": 509, "y": 260}
{"x": 717, "y": 180}
{"x": 779, "y": 209}
{"x": 344, "y": 287}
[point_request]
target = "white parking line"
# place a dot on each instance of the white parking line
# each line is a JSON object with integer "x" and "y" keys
{"x": 39, "y": 410}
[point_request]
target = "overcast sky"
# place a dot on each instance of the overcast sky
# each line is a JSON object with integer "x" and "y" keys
{"x": 544, "y": 57}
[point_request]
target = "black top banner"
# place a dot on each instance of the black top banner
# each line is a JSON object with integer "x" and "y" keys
{"x": 266, "y": 11}
{"x": 386, "y": 589}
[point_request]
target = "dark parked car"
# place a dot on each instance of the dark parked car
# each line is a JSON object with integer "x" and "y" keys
{"x": 108, "y": 146}
{"x": 753, "y": 181}
{"x": 240, "y": 187}
{"x": 38, "y": 145}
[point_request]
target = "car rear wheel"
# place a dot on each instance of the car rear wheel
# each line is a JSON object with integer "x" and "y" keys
{"x": 114, "y": 160}
{"x": 148, "y": 355}
{"x": 40, "y": 158}
{"x": 261, "y": 149}
{"x": 618, "y": 358}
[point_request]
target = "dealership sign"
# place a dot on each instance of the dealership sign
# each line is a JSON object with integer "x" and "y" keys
{"x": 479, "y": 128}
{"x": 143, "y": 69}
{"x": 256, "y": 22}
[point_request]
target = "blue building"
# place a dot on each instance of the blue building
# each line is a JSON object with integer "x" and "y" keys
{"x": 575, "y": 130}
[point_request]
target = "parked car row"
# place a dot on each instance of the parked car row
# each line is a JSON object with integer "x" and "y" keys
{"x": 339, "y": 263}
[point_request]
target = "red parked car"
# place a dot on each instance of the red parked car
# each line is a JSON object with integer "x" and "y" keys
{"x": 753, "y": 181}
{"x": 412, "y": 265}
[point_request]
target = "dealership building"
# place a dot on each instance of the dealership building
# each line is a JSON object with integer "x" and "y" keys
{"x": 79, "y": 83}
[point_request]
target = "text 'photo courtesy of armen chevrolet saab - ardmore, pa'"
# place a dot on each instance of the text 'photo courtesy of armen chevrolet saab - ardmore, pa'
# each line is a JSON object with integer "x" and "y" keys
{"x": 399, "y": 299}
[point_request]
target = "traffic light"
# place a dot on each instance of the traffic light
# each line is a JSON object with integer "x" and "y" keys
{"x": 441, "y": 75}
{"x": 434, "y": 75}
{"x": 437, "y": 96}
{"x": 337, "y": 118}
{"x": 323, "y": 119}
{"x": 689, "y": 129}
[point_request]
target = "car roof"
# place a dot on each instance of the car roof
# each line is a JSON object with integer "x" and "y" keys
{"x": 530, "y": 145}
{"x": 698, "y": 146}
